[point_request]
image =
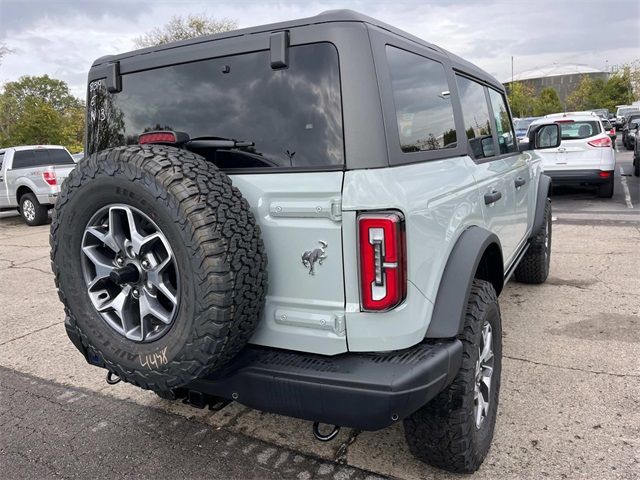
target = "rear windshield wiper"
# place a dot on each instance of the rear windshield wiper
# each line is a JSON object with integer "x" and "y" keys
{"x": 229, "y": 146}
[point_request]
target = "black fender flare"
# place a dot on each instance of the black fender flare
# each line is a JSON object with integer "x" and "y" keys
{"x": 447, "y": 319}
{"x": 544, "y": 188}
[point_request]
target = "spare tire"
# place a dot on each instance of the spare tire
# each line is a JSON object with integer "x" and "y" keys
{"x": 159, "y": 263}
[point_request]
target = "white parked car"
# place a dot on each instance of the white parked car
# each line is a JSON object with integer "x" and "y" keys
{"x": 584, "y": 156}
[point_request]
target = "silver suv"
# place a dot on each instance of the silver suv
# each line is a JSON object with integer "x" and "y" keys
{"x": 378, "y": 174}
{"x": 30, "y": 179}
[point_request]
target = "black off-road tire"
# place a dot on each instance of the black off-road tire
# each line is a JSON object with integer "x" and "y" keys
{"x": 636, "y": 165}
{"x": 219, "y": 254}
{"x": 41, "y": 213}
{"x": 534, "y": 266}
{"x": 443, "y": 433}
{"x": 606, "y": 189}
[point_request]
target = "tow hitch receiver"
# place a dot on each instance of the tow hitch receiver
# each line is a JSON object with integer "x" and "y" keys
{"x": 201, "y": 400}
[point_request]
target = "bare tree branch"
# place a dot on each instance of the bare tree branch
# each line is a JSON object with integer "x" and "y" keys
{"x": 183, "y": 28}
{"x": 4, "y": 50}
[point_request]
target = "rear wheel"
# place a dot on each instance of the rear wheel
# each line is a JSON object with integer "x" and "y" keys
{"x": 454, "y": 430}
{"x": 32, "y": 212}
{"x": 606, "y": 189}
{"x": 636, "y": 165}
{"x": 534, "y": 266}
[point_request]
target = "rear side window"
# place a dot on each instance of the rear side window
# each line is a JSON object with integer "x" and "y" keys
{"x": 504, "y": 130}
{"x": 423, "y": 105}
{"x": 58, "y": 156}
{"x": 477, "y": 119}
{"x": 579, "y": 130}
{"x": 41, "y": 157}
{"x": 293, "y": 116}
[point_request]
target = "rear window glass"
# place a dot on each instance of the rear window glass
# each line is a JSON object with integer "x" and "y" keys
{"x": 523, "y": 124}
{"x": 477, "y": 119}
{"x": 293, "y": 116}
{"x": 506, "y": 138}
{"x": 579, "y": 130}
{"x": 422, "y": 100}
{"x": 626, "y": 111}
{"x": 41, "y": 157}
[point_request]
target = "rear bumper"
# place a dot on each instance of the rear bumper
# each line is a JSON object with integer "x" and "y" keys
{"x": 366, "y": 391}
{"x": 574, "y": 177}
{"x": 47, "y": 198}
{"x": 357, "y": 390}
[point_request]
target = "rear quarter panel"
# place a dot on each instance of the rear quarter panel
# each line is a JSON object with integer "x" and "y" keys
{"x": 439, "y": 200}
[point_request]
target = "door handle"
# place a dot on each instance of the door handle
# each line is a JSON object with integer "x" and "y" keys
{"x": 520, "y": 182}
{"x": 492, "y": 197}
{"x": 562, "y": 150}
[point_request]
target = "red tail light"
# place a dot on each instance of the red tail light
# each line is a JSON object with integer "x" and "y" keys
{"x": 612, "y": 131}
{"x": 383, "y": 279}
{"x": 158, "y": 137}
{"x": 600, "y": 142}
{"x": 604, "y": 174}
{"x": 50, "y": 177}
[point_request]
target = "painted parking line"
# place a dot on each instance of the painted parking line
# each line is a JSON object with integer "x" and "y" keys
{"x": 625, "y": 187}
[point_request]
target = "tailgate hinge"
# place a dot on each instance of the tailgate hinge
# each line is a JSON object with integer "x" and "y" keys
{"x": 336, "y": 210}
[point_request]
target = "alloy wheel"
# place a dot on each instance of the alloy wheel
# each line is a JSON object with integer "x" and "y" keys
{"x": 484, "y": 373}
{"x": 130, "y": 272}
{"x": 29, "y": 210}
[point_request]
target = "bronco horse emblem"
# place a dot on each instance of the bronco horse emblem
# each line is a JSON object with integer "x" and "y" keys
{"x": 310, "y": 257}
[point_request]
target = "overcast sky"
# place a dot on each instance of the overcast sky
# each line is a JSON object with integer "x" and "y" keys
{"x": 62, "y": 37}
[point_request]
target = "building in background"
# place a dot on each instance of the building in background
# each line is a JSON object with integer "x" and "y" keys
{"x": 562, "y": 78}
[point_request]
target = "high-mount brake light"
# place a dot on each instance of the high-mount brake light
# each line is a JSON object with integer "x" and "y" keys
{"x": 50, "y": 177}
{"x": 600, "y": 142}
{"x": 383, "y": 277}
{"x": 167, "y": 137}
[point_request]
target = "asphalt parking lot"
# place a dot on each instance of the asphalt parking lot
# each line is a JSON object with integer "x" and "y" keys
{"x": 568, "y": 407}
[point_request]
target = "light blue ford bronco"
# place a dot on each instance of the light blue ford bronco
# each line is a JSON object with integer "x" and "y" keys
{"x": 313, "y": 218}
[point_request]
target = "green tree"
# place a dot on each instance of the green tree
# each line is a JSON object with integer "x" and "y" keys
{"x": 54, "y": 92}
{"x": 547, "y": 102}
{"x": 522, "y": 99}
{"x": 618, "y": 89}
{"x": 36, "y": 110}
{"x": 183, "y": 28}
{"x": 586, "y": 95}
{"x": 38, "y": 124}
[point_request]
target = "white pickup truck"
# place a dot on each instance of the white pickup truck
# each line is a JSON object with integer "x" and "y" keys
{"x": 30, "y": 179}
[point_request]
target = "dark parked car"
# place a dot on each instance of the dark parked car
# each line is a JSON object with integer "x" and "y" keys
{"x": 628, "y": 131}
{"x": 522, "y": 125}
{"x": 636, "y": 155}
{"x": 611, "y": 131}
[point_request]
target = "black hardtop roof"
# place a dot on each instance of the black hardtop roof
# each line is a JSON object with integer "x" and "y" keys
{"x": 328, "y": 16}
